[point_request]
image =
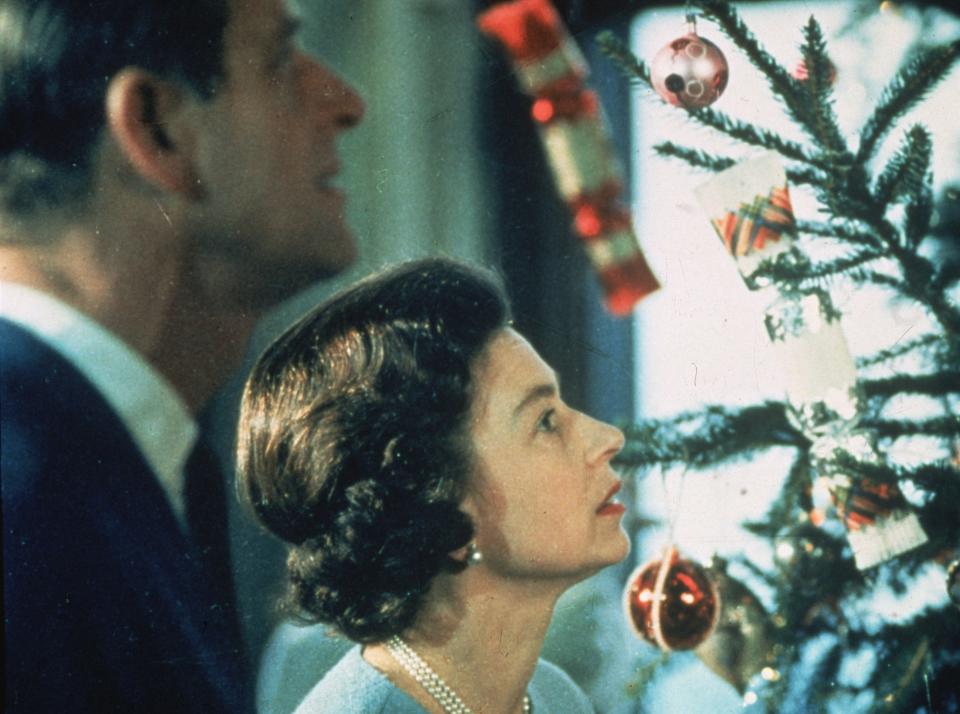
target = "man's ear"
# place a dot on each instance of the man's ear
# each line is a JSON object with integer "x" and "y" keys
{"x": 145, "y": 118}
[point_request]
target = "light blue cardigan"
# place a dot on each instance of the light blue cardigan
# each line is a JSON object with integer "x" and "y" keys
{"x": 353, "y": 686}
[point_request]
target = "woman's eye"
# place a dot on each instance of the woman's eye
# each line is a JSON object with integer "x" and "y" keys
{"x": 548, "y": 422}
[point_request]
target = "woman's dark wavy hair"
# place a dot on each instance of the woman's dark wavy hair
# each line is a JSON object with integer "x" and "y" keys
{"x": 354, "y": 446}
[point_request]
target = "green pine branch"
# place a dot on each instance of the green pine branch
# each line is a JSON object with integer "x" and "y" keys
{"x": 898, "y": 682}
{"x": 712, "y": 162}
{"x": 817, "y": 89}
{"x": 795, "y": 498}
{"x": 824, "y": 668}
{"x": 946, "y": 311}
{"x": 634, "y": 69}
{"x": 918, "y": 273}
{"x": 907, "y": 177}
{"x": 946, "y": 275}
{"x": 947, "y": 427}
{"x": 757, "y": 136}
{"x": 938, "y": 513}
{"x": 694, "y": 157}
{"x": 898, "y": 350}
{"x": 940, "y": 383}
{"x": 795, "y": 271}
{"x": 908, "y": 169}
{"x": 807, "y": 176}
{"x": 833, "y": 230}
{"x": 897, "y": 635}
{"x": 910, "y": 85}
{"x": 933, "y": 478}
{"x": 884, "y": 281}
{"x": 919, "y": 212}
{"x": 819, "y": 573}
{"x": 711, "y": 437}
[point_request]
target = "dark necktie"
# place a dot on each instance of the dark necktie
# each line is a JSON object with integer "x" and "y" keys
{"x": 207, "y": 516}
{"x": 207, "y": 521}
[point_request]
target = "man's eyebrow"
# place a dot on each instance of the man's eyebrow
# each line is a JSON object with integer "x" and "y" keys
{"x": 541, "y": 391}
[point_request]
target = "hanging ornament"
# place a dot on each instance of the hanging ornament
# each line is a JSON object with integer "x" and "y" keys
{"x": 880, "y": 522}
{"x": 824, "y": 402}
{"x": 672, "y": 602}
{"x": 690, "y": 71}
{"x": 550, "y": 68}
{"x": 749, "y": 207}
{"x": 741, "y": 646}
{"x": 953, "y": 582}
{"x": 820, "y": 375}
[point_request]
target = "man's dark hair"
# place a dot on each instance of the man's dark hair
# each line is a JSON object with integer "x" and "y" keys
{"x": 354, "y": 441}
{"x": 56, "y": 60}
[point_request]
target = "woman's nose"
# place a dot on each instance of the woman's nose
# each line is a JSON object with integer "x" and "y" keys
{"x": 605, "y": 441}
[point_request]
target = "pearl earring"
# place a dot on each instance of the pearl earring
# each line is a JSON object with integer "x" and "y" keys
{"x": 474, "y": 556}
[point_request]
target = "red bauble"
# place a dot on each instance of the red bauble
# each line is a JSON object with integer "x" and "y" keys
{"x": 689, "y": 72}
{"x": 674, "y": 607}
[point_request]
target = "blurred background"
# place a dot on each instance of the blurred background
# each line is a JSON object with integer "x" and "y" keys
{"x": 447, "y": 162}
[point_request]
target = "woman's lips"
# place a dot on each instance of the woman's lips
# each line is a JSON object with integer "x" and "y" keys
{"x": 610, "y": 507}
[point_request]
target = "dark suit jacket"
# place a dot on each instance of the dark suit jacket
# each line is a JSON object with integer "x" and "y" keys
{"x": 106, "y": 604}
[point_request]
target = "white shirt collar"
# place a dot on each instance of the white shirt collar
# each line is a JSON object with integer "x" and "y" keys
{"x": 157, "y": 419}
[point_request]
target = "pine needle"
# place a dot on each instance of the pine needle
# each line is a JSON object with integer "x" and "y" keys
{"x": 910, "y": 85}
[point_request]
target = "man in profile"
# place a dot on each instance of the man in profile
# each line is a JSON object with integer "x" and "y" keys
{"x": 165, "y": 177}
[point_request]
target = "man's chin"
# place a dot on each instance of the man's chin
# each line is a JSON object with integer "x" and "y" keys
{"x": 270, "y": 284}
{"x": 255, "y": 280}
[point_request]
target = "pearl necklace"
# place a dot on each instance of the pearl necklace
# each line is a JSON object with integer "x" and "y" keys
{"x": 449, "y": 700}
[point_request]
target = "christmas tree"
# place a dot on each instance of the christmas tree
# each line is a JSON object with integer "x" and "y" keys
{"x": 879, "y": 224}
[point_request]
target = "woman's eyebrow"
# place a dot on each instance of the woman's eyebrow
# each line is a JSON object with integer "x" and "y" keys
{"x": 540, "y": 391}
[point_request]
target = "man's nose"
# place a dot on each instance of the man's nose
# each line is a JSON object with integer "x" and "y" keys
{"x": 330, "y": 95}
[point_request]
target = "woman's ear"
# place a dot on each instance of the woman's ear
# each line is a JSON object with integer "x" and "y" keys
{"x": 461, "y": 555}
{"x": 467, "y": 554}
{"x": 144, "y": 116}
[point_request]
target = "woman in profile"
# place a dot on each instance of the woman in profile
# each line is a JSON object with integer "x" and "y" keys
{"x": 437, "y": 494}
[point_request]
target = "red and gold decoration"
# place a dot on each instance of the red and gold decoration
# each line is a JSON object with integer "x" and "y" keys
{"x": 880, "y": 524}
{"x": 741, "y": 646}
{"x": 672, "y": 602}
{"x": 551, "y": 69}
{"x": 862, "y": 503}
{"x": 752, "y": 225}
{"x": 690, "y": 71}
{"x": 749, "y": 207}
